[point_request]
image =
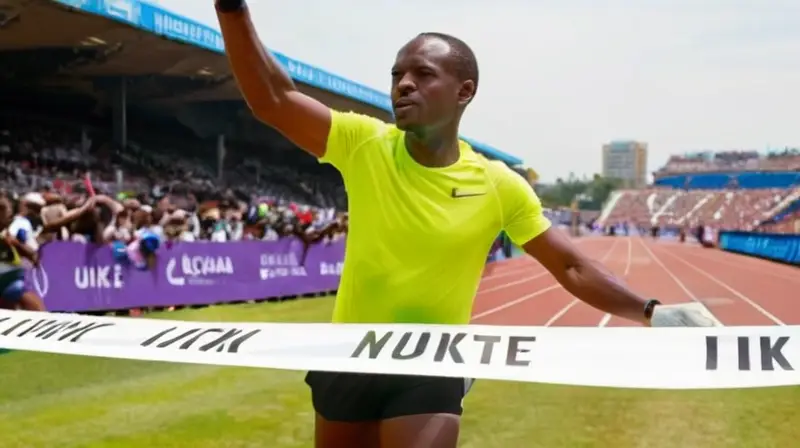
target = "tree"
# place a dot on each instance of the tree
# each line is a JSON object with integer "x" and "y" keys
{"x": 593, "y": 192}
{"x": 600, "y": 189}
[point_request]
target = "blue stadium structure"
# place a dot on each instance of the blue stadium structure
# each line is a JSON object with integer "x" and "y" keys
{"x": 152, "y": 61}
{"x": 744, "y": 180}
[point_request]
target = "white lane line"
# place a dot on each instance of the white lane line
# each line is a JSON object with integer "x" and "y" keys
{"x": 733, "y": 291}
{"x": 607, "y": 317}
{"x": 680, "y": 283}
{"x": 528, "y": 296}
{"x": 630, "y": 257}
{"x": 517, "y": 282}
{"x": 757, "y": 268}
{"x": 574, "y": 302}
{"x": 514, "y": 302}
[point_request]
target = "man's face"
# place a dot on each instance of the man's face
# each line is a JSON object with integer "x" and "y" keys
{"x": 425, "y": 91}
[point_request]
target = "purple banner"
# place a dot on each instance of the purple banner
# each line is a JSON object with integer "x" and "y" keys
{"x": 81, "y": 277}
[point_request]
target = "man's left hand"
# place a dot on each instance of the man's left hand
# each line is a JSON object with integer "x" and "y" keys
{"x": 679, "y": 317}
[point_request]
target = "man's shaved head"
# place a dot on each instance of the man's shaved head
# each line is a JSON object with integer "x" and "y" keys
{"x": 464, "y": 61}
{"x": 434, "y": 78}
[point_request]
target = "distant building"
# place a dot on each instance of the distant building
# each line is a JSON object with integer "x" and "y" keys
{"x": 627, "y": 161}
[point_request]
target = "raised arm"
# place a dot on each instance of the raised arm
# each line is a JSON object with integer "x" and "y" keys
{"x": 68, "y": 217}
{"x": 268, "y": 90}
{"x": 115, "y": 206}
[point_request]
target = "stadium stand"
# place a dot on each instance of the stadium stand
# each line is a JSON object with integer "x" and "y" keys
{"x": 143, "y": 99}
{"x": 786, "y": 159}
{"x": 734, "y": 190}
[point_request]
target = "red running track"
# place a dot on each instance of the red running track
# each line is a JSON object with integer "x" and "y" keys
{"x": 737, "y": 290}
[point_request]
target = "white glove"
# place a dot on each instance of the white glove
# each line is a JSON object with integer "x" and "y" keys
{"x": 679, "y": 317}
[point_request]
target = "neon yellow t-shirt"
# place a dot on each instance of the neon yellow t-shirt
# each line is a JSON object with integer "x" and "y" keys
{"x": 419, "y": 236}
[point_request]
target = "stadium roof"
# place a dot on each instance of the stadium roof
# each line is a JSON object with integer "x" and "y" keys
{"x": 168, "y": 68}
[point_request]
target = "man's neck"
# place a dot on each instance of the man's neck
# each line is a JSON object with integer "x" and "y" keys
{"x": 433, "y": 150}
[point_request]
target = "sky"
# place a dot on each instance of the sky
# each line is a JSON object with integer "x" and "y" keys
{"x": 558, "y": 78}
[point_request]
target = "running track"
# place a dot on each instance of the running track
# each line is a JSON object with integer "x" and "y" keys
{"x": 737, "y": 290}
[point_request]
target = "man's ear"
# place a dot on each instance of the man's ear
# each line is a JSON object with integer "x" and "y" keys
{"x": 466, "y": 93}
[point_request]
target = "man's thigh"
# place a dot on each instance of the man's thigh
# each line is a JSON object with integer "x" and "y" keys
{"x": 348, "y": 409}
{"x": 425, "y": 413}
{"x": 420, "y": 431}
{"x": 332, "y": 434}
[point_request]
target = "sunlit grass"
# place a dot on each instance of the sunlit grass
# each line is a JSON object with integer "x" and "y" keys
{"x": 66, "y": 401}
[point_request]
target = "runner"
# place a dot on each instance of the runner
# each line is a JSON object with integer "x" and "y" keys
{"x": 424, "y": 210}
{"x": 13, "y": 293}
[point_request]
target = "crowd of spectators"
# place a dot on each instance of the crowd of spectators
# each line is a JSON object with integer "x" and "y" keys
{"x": 67, "y": 185}
{"x": 721, "y": 209}
{"x": 728, "y": 208}
{"x": 787, "y": 159}
{"x": 789, "y": 224}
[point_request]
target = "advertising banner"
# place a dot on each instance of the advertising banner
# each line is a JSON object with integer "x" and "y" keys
{"x": 779, "y": 247}
{"x": 81, "y": 277}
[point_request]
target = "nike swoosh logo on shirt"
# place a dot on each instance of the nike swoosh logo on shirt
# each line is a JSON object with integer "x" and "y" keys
{"x": 465, "y": 194}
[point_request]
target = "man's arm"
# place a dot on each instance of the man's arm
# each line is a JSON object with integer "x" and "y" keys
{"x": 585, "y": 278}
{"x": 526, "y": 225}
{"x": 268, "y": 90}
{"x": 115, "y": 206}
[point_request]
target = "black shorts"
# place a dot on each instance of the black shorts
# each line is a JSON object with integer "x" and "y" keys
{"x": 356, "y": 397}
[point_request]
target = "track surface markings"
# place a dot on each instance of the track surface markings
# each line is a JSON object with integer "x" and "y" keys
{"x": 728, "y": 288}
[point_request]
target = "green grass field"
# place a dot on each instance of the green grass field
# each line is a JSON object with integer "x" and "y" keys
{"x": 65, "y": 401}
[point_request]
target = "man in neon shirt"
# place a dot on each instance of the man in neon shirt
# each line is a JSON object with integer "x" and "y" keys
{"x": 424, "y": 210}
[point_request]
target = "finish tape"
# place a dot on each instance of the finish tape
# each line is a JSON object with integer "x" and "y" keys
{"x": 652, "y": 358}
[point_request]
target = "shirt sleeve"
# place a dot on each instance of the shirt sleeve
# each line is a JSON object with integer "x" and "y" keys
{"x": 23, "y": 231}
{"x": 14, "y": 228}
{"x": 349, "y": 130}
{"x": 523, "y": 219}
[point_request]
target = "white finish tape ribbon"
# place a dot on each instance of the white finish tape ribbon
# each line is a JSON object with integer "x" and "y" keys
{"x": 656, "y": 358}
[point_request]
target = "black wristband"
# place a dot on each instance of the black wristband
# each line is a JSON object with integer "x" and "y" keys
{"x": 649, "y": 307}
{"x": 229, "y": 5}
